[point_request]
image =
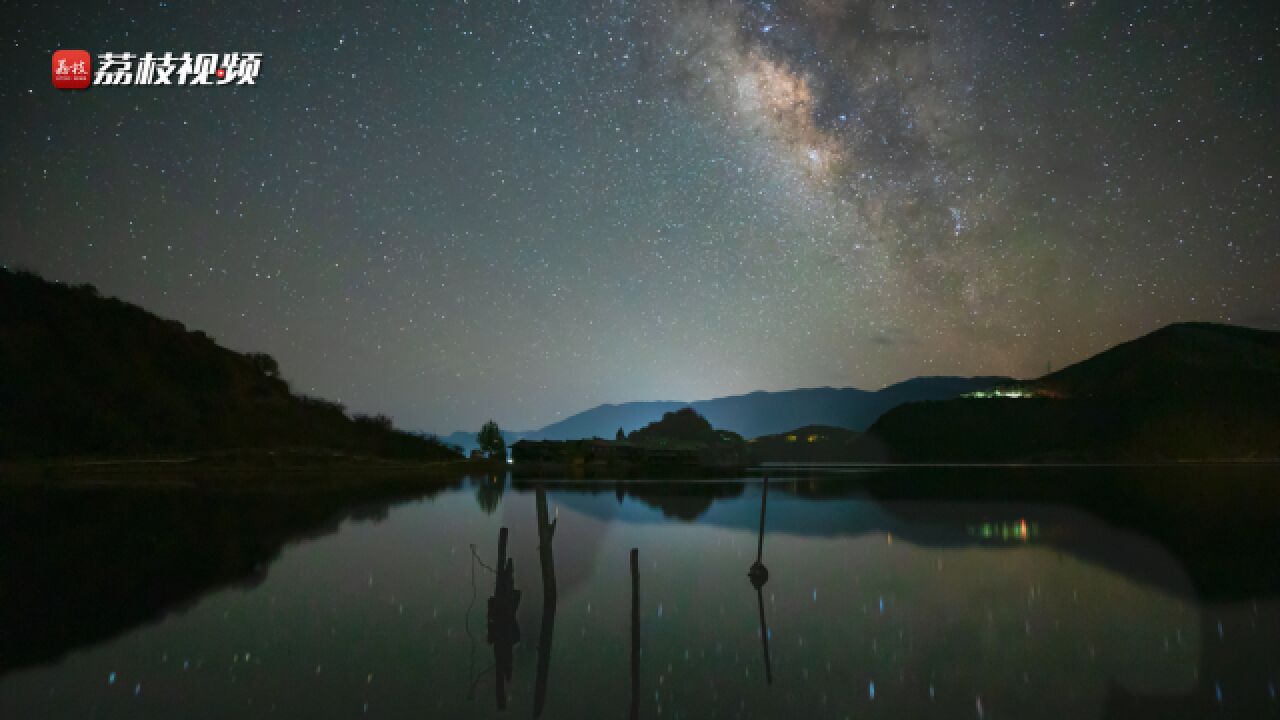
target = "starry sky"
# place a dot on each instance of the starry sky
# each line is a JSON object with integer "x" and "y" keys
{"x": 455, "y": 211}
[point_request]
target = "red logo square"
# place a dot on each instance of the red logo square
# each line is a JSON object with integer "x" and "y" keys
{"x": 71, "y": 69}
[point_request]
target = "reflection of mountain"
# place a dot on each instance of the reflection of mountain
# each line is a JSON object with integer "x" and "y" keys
{"x": 1186, "y": 391}
{"x": 1218, "y": 521}
{"x": 1104, "y": 529}
{"x": 80, "y": 566}
{"x": 757, "y": 413}
{"x": 1132, "y": 521}
{"x": 1158, "y": 527}
{"x": 682, "y": 501}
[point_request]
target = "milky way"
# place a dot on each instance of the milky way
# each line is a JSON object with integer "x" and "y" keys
{"x": 521, "y": 210}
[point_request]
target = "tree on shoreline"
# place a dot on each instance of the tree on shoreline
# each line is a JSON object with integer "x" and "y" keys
{"x": 491, "y": 442}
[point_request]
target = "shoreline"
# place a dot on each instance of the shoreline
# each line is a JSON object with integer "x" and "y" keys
{"x": 294, "y": 471}
{"x": 285, "y": 470}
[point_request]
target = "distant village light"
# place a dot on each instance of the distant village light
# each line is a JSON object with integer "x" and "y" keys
{"x": 1004, "y": 393}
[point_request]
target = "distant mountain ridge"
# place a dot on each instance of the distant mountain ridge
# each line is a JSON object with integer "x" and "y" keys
{"x": 756, "y": 413}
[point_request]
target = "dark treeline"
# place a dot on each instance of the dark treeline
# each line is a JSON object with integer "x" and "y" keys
{"x": 84, "y": 375}
{"x": 816, "y": 443}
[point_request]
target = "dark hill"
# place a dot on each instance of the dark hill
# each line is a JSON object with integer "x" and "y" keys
{"x": 682, "y": 427}
{"x": 1191, "y": 391}
{"x": 84, "y": 375}
{"x": 1181, "y": 360}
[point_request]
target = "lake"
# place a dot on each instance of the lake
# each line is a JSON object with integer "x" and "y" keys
{"x": 956, "y": 593}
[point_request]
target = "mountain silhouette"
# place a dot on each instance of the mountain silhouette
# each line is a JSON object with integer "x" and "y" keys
{"x": 757, "y": 413}
{"x": 84, "y": 375}
{"x": 1188, "y": 391}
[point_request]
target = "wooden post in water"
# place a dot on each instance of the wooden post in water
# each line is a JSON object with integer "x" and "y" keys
{"x": 764, "y": 498}
{"x": 759, "y": 575}
{"x": 499, "y": 670}
{"x": 502, "y": 551}
{"x": 546, "y": 529}
{"x": 635, "y": 633}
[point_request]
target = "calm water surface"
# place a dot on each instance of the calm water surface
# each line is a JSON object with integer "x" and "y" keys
{"x": 880, "y": 600}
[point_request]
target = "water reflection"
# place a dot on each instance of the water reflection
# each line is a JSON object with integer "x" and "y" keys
{"x": 1112, "y": 596}
{"x": 635, "y": 633}
{"x": 489, "y": 491}
{"x": 503, "y": 629}
{"x": 546, "y": 632}
{"x": 759, "y": 575}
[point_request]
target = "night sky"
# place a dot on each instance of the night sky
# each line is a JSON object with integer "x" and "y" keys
{"x": 520, "y": 210}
